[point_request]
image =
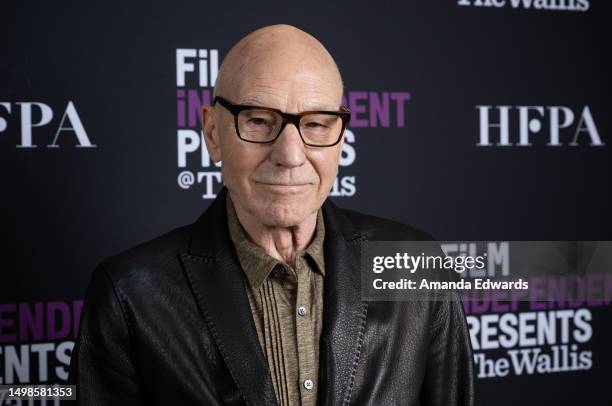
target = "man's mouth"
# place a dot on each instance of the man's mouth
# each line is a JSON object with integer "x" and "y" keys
{"x": 283, "y": 184}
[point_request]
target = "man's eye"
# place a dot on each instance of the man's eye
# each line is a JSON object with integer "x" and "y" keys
{"x": 314, "y": 124}
{"x": 258, "y": 121}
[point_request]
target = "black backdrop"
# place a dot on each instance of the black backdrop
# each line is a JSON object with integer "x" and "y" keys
{"x": 434, "y": 63}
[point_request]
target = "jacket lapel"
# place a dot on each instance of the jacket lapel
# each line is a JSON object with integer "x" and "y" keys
{"x": 219, "y": 287}
{"x": 344, "y": 312}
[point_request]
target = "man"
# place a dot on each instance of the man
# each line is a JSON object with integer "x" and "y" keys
{"x": 258, "y": 301}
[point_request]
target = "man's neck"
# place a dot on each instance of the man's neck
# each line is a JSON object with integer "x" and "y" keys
{"x": 282, "y": 243}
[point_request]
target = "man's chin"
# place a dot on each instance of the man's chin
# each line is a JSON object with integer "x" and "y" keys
{"x": 283, "y": 214}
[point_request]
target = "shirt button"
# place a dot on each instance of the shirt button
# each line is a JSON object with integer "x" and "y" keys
{"x": 308, "y": 384}
{"x": 302, "y": 310}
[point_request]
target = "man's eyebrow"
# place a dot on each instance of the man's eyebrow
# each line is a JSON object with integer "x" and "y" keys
{"x": 324, "y": 107}
{"x": 253, "y": 100}
{"x": 256, "y": 101}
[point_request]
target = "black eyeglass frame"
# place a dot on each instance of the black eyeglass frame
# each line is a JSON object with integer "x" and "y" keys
{"x": 235, "y": 109}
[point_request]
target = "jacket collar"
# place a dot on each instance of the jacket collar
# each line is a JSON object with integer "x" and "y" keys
{"x": 219, "y": 286}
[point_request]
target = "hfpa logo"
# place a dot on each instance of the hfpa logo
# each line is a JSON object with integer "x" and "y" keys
{"x": 33, "y": 115}
{"x": 560, "y": 125}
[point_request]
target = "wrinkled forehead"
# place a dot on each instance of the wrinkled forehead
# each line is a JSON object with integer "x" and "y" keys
{"x": 290, "y": 90}
{"x": 292, "y": 74}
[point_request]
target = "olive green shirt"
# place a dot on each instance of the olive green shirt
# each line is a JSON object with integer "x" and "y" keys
{"x": 287, "y": 308}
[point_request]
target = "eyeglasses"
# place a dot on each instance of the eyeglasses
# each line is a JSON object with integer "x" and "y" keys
{"x": 262, "y": 125}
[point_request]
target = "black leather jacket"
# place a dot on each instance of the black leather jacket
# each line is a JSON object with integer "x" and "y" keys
{"x": 168, "y": 323}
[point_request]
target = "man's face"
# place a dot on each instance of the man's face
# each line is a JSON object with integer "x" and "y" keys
{"x": 282, "y": 183}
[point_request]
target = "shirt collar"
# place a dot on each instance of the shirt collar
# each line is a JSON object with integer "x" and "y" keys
{"x": 256, "y": 263}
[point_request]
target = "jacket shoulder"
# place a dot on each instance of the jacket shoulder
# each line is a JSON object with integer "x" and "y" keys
{"x": 380, "y": 229}
{"x": 149, "y": 256}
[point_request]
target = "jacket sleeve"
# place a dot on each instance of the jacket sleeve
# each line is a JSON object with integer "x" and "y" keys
{"x": 102, "y": 363}
{"x": 449, "y": 376}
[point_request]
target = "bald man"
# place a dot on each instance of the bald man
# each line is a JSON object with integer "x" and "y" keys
{"x": 258, "y": 301}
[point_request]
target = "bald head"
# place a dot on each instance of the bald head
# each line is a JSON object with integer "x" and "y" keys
{"x": 283, "y": 183}
{"x": 282, "y": 53}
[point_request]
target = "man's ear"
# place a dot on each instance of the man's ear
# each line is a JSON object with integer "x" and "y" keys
{"x": 211, "y": 133}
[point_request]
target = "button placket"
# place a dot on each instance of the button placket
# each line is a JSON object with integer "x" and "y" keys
{"x": 304, "y": 327}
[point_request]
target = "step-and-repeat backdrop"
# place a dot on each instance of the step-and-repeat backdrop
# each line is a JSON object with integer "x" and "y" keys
{"x": 471, "y": 119}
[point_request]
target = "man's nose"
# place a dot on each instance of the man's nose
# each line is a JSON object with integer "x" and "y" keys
{"x": 288, "y": 149}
